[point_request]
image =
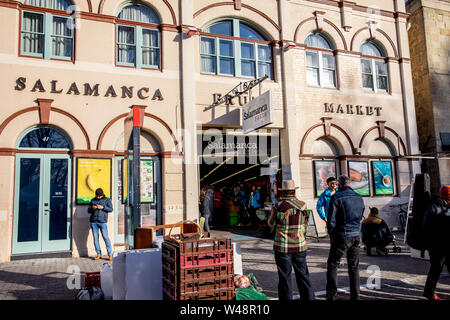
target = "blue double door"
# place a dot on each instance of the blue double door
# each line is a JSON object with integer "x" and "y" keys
{"x": 42, "y": 213}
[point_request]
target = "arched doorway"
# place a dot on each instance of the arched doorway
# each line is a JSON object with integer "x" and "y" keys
{"x": 42, "y": 217}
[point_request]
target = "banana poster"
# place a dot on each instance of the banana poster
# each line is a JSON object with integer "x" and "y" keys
{"x": 92, "y": 174}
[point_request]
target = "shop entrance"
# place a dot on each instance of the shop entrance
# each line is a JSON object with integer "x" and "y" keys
{"x": 231, "y": 163}
{"x": 42, "y": 218}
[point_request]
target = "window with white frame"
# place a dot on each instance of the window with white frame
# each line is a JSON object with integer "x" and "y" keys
{"x": 138, "y": 45}
{"x": 320, "y": 64}
{"x": 233, "y": 47}
{"x": 47, "y": 35}
{"x": 374, "y": 67}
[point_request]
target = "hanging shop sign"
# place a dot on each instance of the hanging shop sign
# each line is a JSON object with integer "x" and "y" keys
{"x": 359, "y": 110}
{"x": 257, "y": 113}
{"x": 92, "y": 173}
{"x": 87, "y": 89}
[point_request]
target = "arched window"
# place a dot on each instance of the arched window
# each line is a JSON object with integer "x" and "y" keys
{"x": 47, "y": 35}
{"x": 45, "y": 138}
{"x": 320, "y": 64}
{"x": 233, "y": 47}
{"x": 138, "y": 45}
{"x": 374, "y": 68}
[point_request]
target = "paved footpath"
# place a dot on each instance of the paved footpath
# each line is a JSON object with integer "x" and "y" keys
{"x": 402, "y": 277}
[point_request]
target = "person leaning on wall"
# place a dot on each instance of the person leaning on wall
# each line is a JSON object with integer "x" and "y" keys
{"x": 99, "y": 207}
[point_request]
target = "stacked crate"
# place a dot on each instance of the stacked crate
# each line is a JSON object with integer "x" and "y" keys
{"x": 198, "y": 269}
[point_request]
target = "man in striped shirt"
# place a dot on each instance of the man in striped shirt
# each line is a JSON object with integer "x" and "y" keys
{"x": 288, "y": 222}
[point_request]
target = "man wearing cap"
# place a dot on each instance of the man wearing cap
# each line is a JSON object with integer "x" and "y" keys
{"x": 99, "y": 208}
{"x": 437, "y": 234}
{"x": 289, "y": 221}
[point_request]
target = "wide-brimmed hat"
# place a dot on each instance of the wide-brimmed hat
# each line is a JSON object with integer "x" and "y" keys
{"x": 288, "y": 185}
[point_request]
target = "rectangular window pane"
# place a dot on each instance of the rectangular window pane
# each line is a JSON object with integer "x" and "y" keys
{"x": 328, "y": 78}
{"x": 226, "y": 48}
{"x": 28, "y": 224}
{"x": 61, "y": 27}
{"x": 366, "y": 66}
{"x": 227, "y": 66}
{"x": 150, "y": 56}
{"x": 208, "y": 64}
{"x": 126, "y": 35}
{"x": 382, "y": 82}
{"x": 32, "y": 37}
{"x": 33, "y": 22}
{"x": 208, "y": 46}
{"x": 264, "y": 53}
{"x": 312, "y": 76}
{"x": 126, "y": 54}
{"x": 247, "y": 51}
{"x": 312, "y": 59}
{"x": 381, "y": 68}
{"x": 150, "y": 38}
{"x": 367, "y": 81}
{"x": 328, "y": 61}
{"x": 58, "y": 199}
{"x": 248, "y": 68}
{"x": 264, "y": 69}
{"x": 62, "y": 47}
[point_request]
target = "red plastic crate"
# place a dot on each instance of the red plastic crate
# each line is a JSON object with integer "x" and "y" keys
{"x": 92, "y": 278}
{"x": 195, "y": 273}
{"x": 206, "y": 259}
{"x": 221, "y": 294}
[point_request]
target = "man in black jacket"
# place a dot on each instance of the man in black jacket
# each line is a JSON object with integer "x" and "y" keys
{"x": 99, "y": 208}
{"x": 345, "y": 213}
{"x": 437, "y": 234}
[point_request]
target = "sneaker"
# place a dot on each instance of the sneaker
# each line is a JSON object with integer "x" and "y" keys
{"x": 110, "y": 257}
{"x": 97, "y": 257}
{"x": 432, "y": 297}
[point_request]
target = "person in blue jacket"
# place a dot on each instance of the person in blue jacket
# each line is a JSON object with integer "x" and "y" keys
{"x": 254, "y": 204}
{"x": 325, "y": 197}
{"x": 99, "y": 207}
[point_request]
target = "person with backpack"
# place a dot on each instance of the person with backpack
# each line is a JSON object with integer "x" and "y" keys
{"x": 376, "y": 233}
{"x": 436, "y": 228}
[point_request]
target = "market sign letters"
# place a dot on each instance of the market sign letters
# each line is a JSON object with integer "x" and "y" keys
{"x": 352, "y": 109}
{"x": 88, "y": 90}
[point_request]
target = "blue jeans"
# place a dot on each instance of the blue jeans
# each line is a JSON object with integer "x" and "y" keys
{"x": 285, "y": 262}
{"x": 104, "y": 229}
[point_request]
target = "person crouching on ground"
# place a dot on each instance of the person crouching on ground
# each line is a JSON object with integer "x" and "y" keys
{"x": 289, "y": 221}
{"x": 325, "y": 197}
{"x": 376, "y": 233}
{"x": 99, "y": 208}
{"x": 437, "y": 232}
{"x": 344, "y": 226}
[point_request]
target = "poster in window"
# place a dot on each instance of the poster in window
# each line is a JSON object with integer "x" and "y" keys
{"x": 359, "y": 175}
{"x": 124, "y": 180}
{"x": 92, "y": 174}
{"x": 382, "y": 177}
{"x": 147, "y": 179}
{"x": 323, "y": 169}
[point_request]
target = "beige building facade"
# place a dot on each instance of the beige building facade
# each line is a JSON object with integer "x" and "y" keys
{"x": 339, "y": 73}
{"x": 429, "y": 39}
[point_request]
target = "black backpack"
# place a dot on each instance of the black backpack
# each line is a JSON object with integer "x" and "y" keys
{"x": 415, "y": 236}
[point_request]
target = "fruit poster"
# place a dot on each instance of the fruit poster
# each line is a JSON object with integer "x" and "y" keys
{"x": 382, "y": 177}
{"x": 323, "y": 169}
{"x": 359, "y": 175}
{"x": 147, "y": 179}
{"x": 92, "y": 174}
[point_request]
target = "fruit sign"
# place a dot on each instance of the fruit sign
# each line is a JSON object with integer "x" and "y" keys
{"x": 147, "y": 181}
{"x": 92, "y": 174}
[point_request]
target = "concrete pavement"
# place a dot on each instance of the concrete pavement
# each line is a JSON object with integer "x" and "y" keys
{"x": 402, "y": 277}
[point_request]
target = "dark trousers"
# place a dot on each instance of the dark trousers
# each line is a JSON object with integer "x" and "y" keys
{"x": 285, "y": 262}
{"x": 438, "y": 257}
{"x": 341, "y": 245}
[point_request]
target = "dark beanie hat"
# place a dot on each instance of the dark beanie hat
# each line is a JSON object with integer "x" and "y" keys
{"x": 99, "y": 192}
